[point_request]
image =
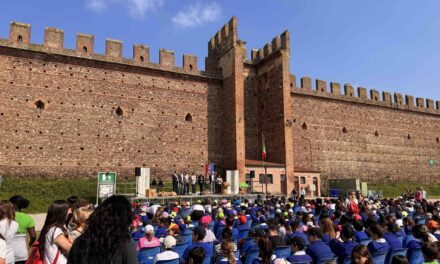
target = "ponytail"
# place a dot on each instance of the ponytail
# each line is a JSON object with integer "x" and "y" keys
{"x": 228, "y": 250}
{"x": 231, "y": 258}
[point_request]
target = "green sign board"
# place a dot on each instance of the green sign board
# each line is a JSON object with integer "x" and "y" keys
{"x": 431, "y": 163}
{"x": 106, "y": 178}
{"x": 106, "y": 185}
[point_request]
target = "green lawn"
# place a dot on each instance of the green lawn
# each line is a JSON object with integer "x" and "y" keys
{"x": 42, "y": 192}
{"x": 394, "y": 189}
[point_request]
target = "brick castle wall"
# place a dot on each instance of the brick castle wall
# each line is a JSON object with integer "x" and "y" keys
{"x": 348, "y": 135}
{"x": 74, "y": 113}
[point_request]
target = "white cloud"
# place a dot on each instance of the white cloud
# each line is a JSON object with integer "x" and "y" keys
{"x": 197, "y": 14}
{"x": 97, "y": 5}
{"x": 136, "y": 8}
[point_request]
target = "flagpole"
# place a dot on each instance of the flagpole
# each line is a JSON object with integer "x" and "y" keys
{"x": 265, "y": 175}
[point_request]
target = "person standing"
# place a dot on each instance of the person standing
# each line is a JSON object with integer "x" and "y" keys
{"x": 424, "y": 194}
{"x": 213, "y": 178}
{"x": 208, "y": 183}
{"x": 187, "y": 180}
{"x": 193, "y": 182}
{"x": 201, "y": 183}
{"x": 25, "y": 225}
{"x": 219, "y": 182}
{"x": 303, "y": 193}
{"x": 8, "y": 228}
{"x": 181, "y": 184}
{"x": 175, "y": 180}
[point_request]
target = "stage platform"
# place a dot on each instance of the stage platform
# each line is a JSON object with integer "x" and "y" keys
{"x": 194, "y": 198}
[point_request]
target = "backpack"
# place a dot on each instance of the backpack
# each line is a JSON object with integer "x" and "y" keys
{"x": 35, "y": 257}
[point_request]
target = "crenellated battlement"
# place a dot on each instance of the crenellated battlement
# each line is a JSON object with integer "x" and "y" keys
{"x": 363, "y": 95}
{"x": 20, "y": 35}
{"x": 281, "y": 42}
{"x": 224, "y": 39}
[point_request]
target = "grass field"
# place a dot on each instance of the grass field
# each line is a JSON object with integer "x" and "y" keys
{"x": 42, "y": 192}
{"x": 393, "y": 189}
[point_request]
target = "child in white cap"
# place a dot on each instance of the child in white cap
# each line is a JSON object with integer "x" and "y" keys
{"x": 169, "y": 242}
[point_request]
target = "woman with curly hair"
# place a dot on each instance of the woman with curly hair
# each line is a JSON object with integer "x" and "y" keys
{"x": 106, "y": 239}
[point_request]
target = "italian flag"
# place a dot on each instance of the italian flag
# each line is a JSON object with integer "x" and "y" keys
{"x": 263, "y": 152}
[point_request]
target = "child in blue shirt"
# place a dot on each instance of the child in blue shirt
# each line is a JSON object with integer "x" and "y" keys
{"x": 379, "y": 244}
{"x": 343, "y": 249}
{"x": 299, "y": 255}
{"x": 317, "y": 249}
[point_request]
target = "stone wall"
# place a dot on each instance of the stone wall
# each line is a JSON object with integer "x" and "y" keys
{"x": 64, "y": 113}
{"x": 376, "y": 139}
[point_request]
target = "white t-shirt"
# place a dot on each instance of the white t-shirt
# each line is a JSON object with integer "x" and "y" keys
{"x": 193, "y": 179}
{"x": 51, "y": 249}
{"x": 8, "y": 230}
{"x": 20, "y": 247}
{"x": 166, "y": 255}
{"x": 2, "y": 249}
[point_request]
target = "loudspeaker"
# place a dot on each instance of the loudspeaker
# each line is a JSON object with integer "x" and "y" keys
{"x": 137, "y": 171}
{"x": 252, "y": 174}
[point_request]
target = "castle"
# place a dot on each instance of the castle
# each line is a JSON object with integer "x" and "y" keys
{"x": 74, "y": 112}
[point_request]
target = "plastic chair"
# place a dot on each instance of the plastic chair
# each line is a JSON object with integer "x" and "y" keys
{"x": 253, "y": 254}
{"x": 416, "y": 256}
{"x": 393, "y": 253}
{"x": 282, "y": 252}
{"x": 347, "y": 260}
{"x": 172, "y": 261}
{"x": 324, "y": 260}
{"x": 180, "y": 248}
{"x": 365, "y": 241}
{"x": 243, "y": 234}
{"x": 188, "y": 238}
{"x": 146, "y": 255}
{"x": 207, "y": 260}
{"x": 379, "y": 257}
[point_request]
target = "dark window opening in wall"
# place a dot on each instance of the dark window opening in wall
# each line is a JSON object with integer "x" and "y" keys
{"x": 409, "y": 136}
{"x": 437, "y": 140}
{"x": 304, "y": 126}
{"x": 302, "y": 180}
{"x": 85, "y": 49}
{"x": 376, "y": 134}
{"x": 344, "y": 130}
{"x": 269, "y": 178}
{"x": 19, "y": 39}
{"x": 119, "y": 112}
{"x": 190, "y": 67}
{"x": 188, "y": 118}
{"x": 39, "y": 104}
{"x": 141, "y": 58}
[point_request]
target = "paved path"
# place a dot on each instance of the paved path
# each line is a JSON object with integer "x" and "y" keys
{"x": 39, "y": 221}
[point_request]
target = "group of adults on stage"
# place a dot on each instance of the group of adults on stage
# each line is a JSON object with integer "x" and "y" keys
{"x": 186, "y": 184}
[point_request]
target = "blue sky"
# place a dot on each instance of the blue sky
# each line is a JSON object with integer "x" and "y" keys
{"x": 382, "y": 44}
